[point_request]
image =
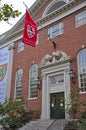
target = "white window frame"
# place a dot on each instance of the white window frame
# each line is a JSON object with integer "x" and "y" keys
{"x": 37, "y": 40}
{"x": 80, "y": 19}
{"x": 20, "y": 46}
{"x": 56, "y": 30}
{"x": 82, "y": 70}
{"x": 19, "y": 86}
{"x": 33, "y": 81}
{"x": 51, "y": 4}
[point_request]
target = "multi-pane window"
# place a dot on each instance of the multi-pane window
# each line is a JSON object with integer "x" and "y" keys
{"x": 55, "y": 5}
{"x": 33, "y": 81}
{"x": 18, "y": 84}
{"x": 56, "y": 30}
{"x": 82, "y": 69}
{"x": 20, "y": 46}
{"x": 80, "y": 18}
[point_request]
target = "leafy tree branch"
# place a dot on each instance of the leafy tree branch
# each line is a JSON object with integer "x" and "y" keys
{"x": 7, "y": 12}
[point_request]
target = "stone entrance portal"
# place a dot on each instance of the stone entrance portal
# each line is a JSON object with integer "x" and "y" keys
{"x": 55, "y": 80}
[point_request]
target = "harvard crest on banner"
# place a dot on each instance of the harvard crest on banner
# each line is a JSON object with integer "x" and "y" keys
{"x": 30, "y": 31}
{"x": 3, "y": 69}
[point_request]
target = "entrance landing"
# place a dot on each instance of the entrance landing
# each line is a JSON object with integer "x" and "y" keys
{"x": 44, "y": 125}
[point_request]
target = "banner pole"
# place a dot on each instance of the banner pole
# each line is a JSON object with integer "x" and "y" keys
{"x": 54, "y": 44}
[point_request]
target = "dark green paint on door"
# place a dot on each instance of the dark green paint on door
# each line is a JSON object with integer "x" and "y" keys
{"x": 57, "y": 106}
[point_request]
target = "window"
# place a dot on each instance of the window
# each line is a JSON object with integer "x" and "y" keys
{"x": 18, "y": 84}
{"x": 56, "y": 30}
{"x": 57, "y": 79}
{"x": 20, "y": 47}
{"x": 80, "y": 18}
{"x": 55, "y": 5}
{"x": 82, "y": 69}
{"x": 33, "y": 81}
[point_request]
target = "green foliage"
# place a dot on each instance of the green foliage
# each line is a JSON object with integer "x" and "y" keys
{"x": 7, "y": 12}
{"x": 82, "y": 121}
{"x": 72, "y": 107}
{"x": 14, "y": 114}
{"x": 81, "y": 124}
{"x": 73, "y": 103}
{"x": 83, "y": 114}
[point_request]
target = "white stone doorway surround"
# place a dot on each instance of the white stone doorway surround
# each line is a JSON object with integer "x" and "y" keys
{"x": 53, "y": 66}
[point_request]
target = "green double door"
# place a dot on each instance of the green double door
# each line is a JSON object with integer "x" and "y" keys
{"x": 57, "y": 106}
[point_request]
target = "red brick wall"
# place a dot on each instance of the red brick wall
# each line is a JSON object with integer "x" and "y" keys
{"x": 70, "y": 42}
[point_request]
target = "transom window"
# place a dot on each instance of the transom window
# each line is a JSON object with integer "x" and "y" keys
{"x": 82, "y": 69}
{"x": 20, "y": 47}
{"x": 33, "y": 81}
{"x": 18, "y": 84}
{"x": 55, "y": 6}
{"x": 57, "y": 79}
{"x": 55, "y": 30}
{"x": 80, "y": 18}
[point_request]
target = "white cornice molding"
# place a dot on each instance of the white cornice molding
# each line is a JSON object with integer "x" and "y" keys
{"x": 11, "y": 41}
{"x": 59, "y": 14}
{"x": 53, "y": 17}
{"x": 51, "y": 4}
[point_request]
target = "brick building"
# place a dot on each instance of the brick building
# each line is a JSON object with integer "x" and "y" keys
{"x": 42, "y": 74}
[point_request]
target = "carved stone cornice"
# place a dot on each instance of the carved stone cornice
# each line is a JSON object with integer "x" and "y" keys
{"x": 57, "y": 58}
{"x": 36, "y": 8}
{"x": 11, "y": 47}
{"x": 18, "y": 29}
{"x": 56, "y": 64}
{"x": 60, "y": 11}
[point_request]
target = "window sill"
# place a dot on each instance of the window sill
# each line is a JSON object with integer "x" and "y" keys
{"x": 32, "y": 98}
{"x": 82, "y": 92}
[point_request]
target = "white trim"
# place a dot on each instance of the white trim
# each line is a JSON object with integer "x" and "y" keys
{"x": 10, "y": 42}
{"x": 79, "y": 71}
{"x": 82, "y": 92}
{"x": 32, "y": 98}
{"x": 29, "y": 81}
{"x": 78, "y": 16}
{"x": 9, "y": 79}
{"x": 21, "y": 47}
{"x": 46, "y": 73}
{"x": 56, "y": 30}
{"x": 51, "y": 4}
{"x": 63, "y": 15}
{"x": 83, "y": 4}
{"x": 20, "y": 71}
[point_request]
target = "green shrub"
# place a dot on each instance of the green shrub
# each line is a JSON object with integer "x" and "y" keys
{"x": 83, "y": 114}
{"x": 73, "y": 102}
{"x": 14, "y": 114}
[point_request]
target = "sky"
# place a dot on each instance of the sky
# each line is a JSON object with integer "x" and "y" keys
{"x": 17, "y": 4}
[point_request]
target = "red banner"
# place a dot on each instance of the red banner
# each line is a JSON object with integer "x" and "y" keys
{"x": 30, "y": 31}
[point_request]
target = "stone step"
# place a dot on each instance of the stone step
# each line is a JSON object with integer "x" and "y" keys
{"x": 39, "y": 124}
{"x": 57, "y": 125}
